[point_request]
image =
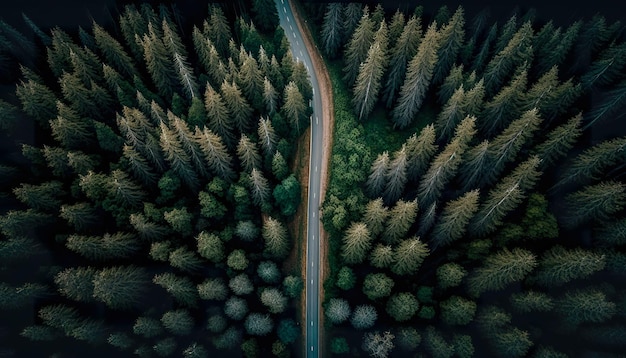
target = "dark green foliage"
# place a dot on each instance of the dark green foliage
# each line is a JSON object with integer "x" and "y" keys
{"x": 402, "y": 306}
{"x": 180, "y": 287}
{"x": 339, "y": 345}
{"x": 287, "y": 195}
{"x": 178, "y": 322}
{"x": 501, "y": 269}
{"x": 258, "y": 324}
{"x": 587, "y": 305}
{"x": 119, "y": 287}
{"x": 457, "y": 311}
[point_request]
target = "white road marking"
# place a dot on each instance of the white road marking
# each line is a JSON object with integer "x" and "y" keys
{"x": 284, "y": 10}
{"x": 311, "y": 263}
{"x": 313, "y": 90}
{"x": 317, "y": 120}
{"x": 314, "y": 215}
{"x": 311, "y": 326}
{"x": 311, "y": 282}
{"x": 297, "y": 42}
{"x": 313, "y": 237}
{"x": 288, "y": 20}
{"x": 316, "y": 168}
{"x": 311, "y": 348}
{"x": 291, "y": 27}
{"x": 313, "y": 195}
{"x": 293, "y": 33}
{"x": 301, "y": 54}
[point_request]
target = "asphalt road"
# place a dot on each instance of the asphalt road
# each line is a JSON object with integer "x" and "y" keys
{"x": 312, "y": 284}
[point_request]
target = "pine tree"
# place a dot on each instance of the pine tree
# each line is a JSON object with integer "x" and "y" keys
{"x": 454, "y": 219}
{"x": 403, "y": 50}
{"x": 119, "y": 287}
{"x": 450, "y": 274}
{"x": 248, "y": 154}
{"x": 185, "y": 260}
{"x": 147, "y": 327}
{"x": 237, "y": 105}
{"x": 259, "y": 187}
{"x": 368, "y": 80}
{"x": 595, "y": 202}
{"x": 408, "y": 256}
{"x": 107, "y": 247}
{"x": 420, "y": 150}
{"x": 377, "y": 285}
{"x": 505, "y": 106}
{"x": 356, "y": 243}
{"x": 452, "y": 37}
{"x": 375, "y": 216}
{"x": 451, "y": 83}
{"x": 606, "y": 68}
{"x": 237, "y": 260}
{"x": 363, "y": 316}
{"x": 504, "y": 197}
{"x": 418, "y": 77}
{"x": 44, "y": 197}
{"x": 518, "y": 50}
{"x": 76, "y": 283}
{"x": 80, "y": 215}
{"x": 559, "y": 266}
{"x": 276, "y": 238}
{"x": 294, "y": 108}
{"x": 402, "y": 306}
{"x": 213, "y": 289}
{"x": 382, "y": 256}
{"x": 401, "y": 217}
{"x": 594, "y": 161}
{"x": 273, "y": 298}
{"x": 268, "y": 139}
{"x": 505, "y": 147}
{"x": 250, "y": 79}
{"x": 219, "y": 118}
{"x": 357, "y": 48}
{"x": 378, "y": 345}
{"x": 69, "y": 129}
{"x": 178, "y": 322}
{"x": 474, "y": 166}
{"x": 217, "y": 157}
{"x": 445, "y": 165}
{"x": 218, "y": 29}
{"x": 529, "y": 301}
{"x": 586, "y": 305}
{"x": 501, "y": 269}
{"x": 113, "y": 51}
{"x": 377, "y": 179}
{"x": 186, "y": 139}
{"x": 337, "y": 310}
{"x": 512, "y": 342}
{"x": 451, "y": 114}
{"x": 176, "y": 156}
{"x": 258, "y": 324}
{"x": 331, "y": 32}
{"x": 396, "y": 176}
{"x": 180, "y": 287}
{"x": 157, "y": 60}
{"x": 559, "y": 141}
{"x": 457, "y": 311}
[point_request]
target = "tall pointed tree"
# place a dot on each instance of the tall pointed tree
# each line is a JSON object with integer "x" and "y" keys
{"x": 357, "y": 48}
{"x": 368, "y": 81}
{"x": 418, "y": 77}
{"x": 403, "y": 50}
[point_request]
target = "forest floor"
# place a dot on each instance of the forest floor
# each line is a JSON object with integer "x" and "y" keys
{"x": 328, "y": 123}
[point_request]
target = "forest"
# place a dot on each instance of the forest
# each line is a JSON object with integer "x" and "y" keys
{"x": 476, "y": 196}
{"x": 148, "y": 214}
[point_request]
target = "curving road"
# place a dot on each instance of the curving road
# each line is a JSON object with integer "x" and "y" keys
{"x": 312, "y": 287}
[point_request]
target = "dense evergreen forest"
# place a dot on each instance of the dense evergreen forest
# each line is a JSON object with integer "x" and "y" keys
{"x": 148, "y": 216}
{"x": 476, "y": 198}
